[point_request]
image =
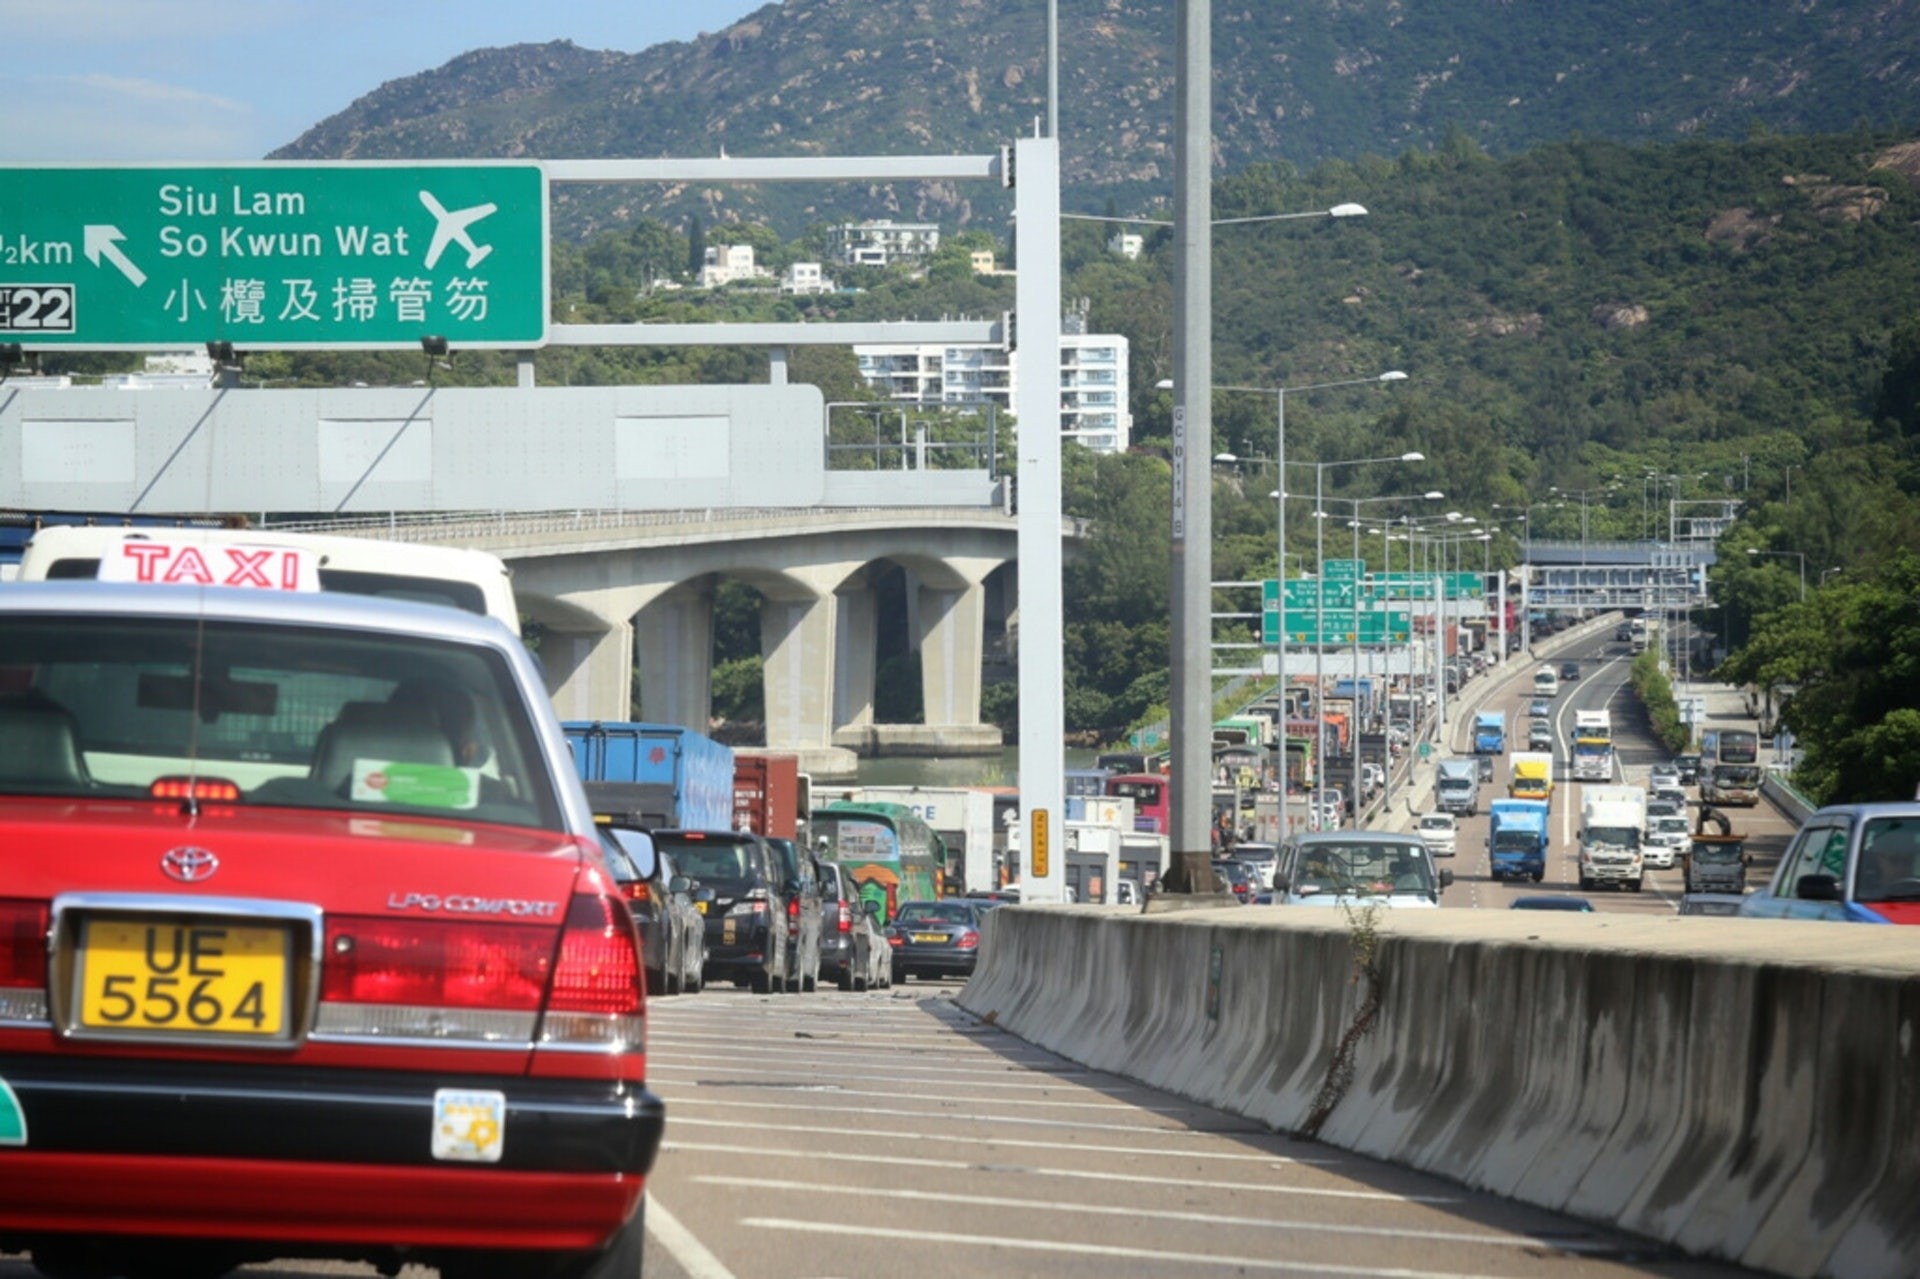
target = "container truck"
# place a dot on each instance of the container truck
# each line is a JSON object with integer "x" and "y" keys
{"x": 766, "y": 795}
{"x": 1532, "y": 776}
{"x": 1611, "y": 821}
{"x": 654, "y": 774}
{"x": 1490, "y": 733}
{"x": 1517, "y": 839}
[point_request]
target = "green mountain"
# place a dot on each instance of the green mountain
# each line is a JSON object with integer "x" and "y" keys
{"x": 1299, "y": 82}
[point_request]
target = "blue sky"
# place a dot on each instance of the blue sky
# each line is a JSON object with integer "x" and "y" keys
{"x": 103, "y": 81}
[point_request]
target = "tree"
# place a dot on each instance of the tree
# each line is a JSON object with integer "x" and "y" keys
{"x": 696, "y": 246}
{"x": 1851, "y": 653}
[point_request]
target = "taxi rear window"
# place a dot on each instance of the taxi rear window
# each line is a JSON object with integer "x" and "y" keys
{"x": 291, "y": 716}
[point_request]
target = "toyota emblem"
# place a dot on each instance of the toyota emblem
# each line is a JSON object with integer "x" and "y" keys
{"x": 189, "y": 865}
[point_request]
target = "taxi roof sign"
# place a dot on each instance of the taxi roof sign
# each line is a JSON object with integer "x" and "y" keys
{"x": 185, "y": 561}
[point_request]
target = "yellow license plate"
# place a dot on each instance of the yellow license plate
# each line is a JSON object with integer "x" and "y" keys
{"x": 187, "y": 976}
{"x": 701, "y": 907}
{"x": 935, "y": 938}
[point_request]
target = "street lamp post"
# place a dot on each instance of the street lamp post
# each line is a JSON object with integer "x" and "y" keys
{"x": 1320, "y": 470}
{"x": 1798, "y": 555}
{"x": 1280, "y": 537}
{"x": 1431, "y": 495}
{"x": 1280, "y": 483}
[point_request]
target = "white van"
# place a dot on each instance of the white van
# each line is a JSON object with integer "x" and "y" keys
{"x": 1546, "y": 683}
{"x": 474, "y": 581}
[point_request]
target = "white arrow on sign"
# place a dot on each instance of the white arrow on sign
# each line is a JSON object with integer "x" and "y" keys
{"x": 101, "y": 241}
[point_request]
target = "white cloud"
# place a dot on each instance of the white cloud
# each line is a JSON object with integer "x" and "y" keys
{"x": 152, "y": 91}
{"x": 75, "y": 120}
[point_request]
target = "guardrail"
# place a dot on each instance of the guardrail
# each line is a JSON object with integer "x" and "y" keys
{"x": 1740, "y": 1089}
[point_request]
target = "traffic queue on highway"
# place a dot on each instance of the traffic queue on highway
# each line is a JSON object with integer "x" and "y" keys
{"x": 312, "y": 941}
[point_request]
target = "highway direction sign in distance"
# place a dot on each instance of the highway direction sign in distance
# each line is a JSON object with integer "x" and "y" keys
{"x": 281, "y": 256}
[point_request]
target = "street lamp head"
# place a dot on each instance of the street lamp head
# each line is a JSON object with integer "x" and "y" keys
{"x": 1413, "y": 457}
{"x": 1347, "y": 211}
{"x": 1392, "y": 375}
{"x": 1164, "y": 384}
{"x": 1454, "y": 517}
{"x": 1432, "y": 495}
{"x": 1227, "y": 459}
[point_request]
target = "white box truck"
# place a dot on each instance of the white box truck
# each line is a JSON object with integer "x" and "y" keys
{"x": 1456, "y": 786}
{"x": 1612, "y": 819}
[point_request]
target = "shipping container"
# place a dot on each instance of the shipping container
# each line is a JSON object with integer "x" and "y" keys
{"x": 766, "y": 795}
{"x": 654, "y": 774}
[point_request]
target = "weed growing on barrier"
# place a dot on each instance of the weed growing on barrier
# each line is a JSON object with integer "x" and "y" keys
{"x": 1363, "y": 937}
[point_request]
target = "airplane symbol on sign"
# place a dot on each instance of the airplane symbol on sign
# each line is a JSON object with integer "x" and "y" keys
{"x": 452, "y": 227}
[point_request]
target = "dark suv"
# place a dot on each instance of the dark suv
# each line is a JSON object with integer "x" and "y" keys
{"x": 747, "y": 916}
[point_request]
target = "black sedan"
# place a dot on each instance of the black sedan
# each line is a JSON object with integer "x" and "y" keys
{"x": 672, "y": 933}
{"x": 934, "y": 939}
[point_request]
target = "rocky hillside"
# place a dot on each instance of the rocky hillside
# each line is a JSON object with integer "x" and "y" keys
{"x": 1305, "y": 81}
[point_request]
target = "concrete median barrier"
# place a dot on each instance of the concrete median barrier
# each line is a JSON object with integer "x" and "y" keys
{"x": 1741, "y": 1089}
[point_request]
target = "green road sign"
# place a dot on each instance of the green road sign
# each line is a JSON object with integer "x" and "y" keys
{"x": 1419, "y": 586}
{"x": 280, "y": 256}
{"x": 1346, "y": 570}
{"x": 1305, "y": 626}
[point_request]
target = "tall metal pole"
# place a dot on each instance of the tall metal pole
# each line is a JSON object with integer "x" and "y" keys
{"x": 1280, "y": 485}
{"x": 1191, "y": 666}
{"x": 1042, "y": 712}
{"x": 1319, "y": 646}
{"x": 1053, "y": 69}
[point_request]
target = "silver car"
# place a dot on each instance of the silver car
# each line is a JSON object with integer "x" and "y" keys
{"x": 1359, "y": 868}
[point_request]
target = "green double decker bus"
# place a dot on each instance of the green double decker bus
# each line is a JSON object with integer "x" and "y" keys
{"x": 888, "y": 850}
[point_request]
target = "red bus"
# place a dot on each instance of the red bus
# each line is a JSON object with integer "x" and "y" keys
{"x": 1149, "y": 793}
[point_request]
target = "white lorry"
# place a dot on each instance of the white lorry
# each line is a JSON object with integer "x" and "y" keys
{"x": 1457, "y": 786}
{"x": 1612, "y": 820}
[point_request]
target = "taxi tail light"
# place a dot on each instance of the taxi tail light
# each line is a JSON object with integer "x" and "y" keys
{"x": 637, "y": 891}
{"x": 845, "y": 924}
{"x": 23, "y": 944}
{"x": 435, "y": 965}
{"x": 968, "y": 940}
{"x": 895, "y": 939}
{"x": 599, "y": 973}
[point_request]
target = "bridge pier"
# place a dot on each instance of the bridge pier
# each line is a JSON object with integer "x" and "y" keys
{"x": 675, "y": 647}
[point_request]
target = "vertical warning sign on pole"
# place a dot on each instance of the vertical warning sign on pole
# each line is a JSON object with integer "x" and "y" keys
{"x": 1037, "y": 865}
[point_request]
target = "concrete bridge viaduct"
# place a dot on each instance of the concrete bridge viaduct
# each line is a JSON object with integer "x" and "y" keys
{"x": 615, "y": 592}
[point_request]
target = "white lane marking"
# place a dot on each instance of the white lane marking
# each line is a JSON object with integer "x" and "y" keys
{"x": 957, "y": 1116}
{"x": 1161, "y": 1214}
{"x": 734, "y": 1066}
{"x": 684, "y": 1121}
{"x": 1109, "y": 1250}
{"x": 898, "y": 1095}
{"x": 809, "y": 1057}
{"x": 1074, "y": 1174}
{"x": 693, "y": 1256}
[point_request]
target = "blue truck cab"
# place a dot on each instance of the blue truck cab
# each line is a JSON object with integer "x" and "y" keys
{"x": 1517, "y": 839}
{"x": 1490, "y": 733}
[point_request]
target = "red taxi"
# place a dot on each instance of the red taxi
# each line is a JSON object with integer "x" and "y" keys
{"x": 307, "y": 945}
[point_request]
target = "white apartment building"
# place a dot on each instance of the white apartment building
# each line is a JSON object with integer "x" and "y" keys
{"x": 805, "y": 277}
{"x": 1093, "y": 381}
{"x": 885, "y": 242}
{"x": 726, "y": 263}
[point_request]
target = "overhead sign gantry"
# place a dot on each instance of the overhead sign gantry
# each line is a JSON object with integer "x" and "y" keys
{"x": 283, "y": 256}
